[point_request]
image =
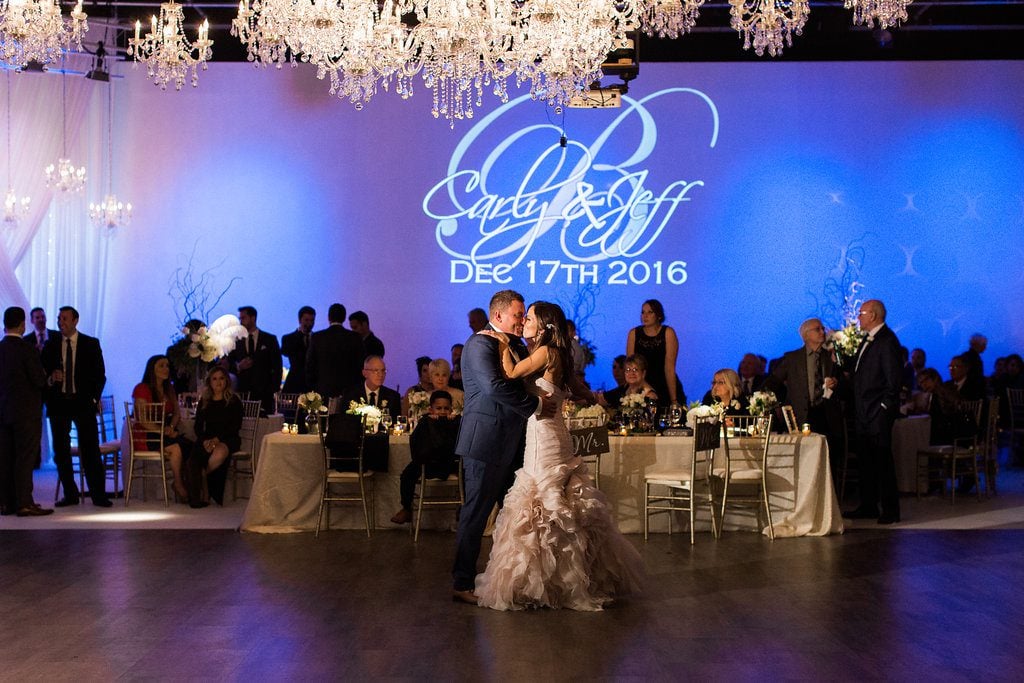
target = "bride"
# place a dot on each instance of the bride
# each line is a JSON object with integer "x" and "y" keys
{"x": 555, "y": 542}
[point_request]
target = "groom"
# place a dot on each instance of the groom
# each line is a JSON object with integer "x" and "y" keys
{"x": 493, "y": 423}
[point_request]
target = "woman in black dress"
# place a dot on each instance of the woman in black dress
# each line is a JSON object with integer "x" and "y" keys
{"x": 218, "y": 423}
{"x": 658, "y": 343}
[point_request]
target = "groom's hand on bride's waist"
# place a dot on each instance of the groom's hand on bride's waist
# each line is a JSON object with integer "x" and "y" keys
{"x": 547, "y": 408}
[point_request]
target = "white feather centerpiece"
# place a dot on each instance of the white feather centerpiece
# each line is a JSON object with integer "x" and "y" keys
{"x": 217, "y": 340}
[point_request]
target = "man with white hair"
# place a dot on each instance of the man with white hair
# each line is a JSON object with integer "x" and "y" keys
{"x": 806, "y": 378}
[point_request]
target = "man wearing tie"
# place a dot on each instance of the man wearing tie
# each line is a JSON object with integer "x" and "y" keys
{"x": 877, "y": 379}
{"x": 39, "y": 334}
{"x": 76, "y": 376}
{"x": 256, "y": 361}
{"x": 293, "y": 347}
{"x": 373, "y": 392}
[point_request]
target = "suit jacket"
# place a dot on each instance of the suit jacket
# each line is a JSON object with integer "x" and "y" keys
{"x": 293, "y": 347}
{"x": 386, "y": 398}
{"x": 789, "y": 382}
{"x": 22, "y": 380}
{"x": 372, "y": 346}
{"x": 757, "y": 383}
{"x": 495, "y": 410}
{"x": 31, "y": 338}
{"x": 334, "y": 362}
{"x": 876, "y": 384}
{"x": 263, "y": 379}
{"x": 972, "y": 390}
{"x": 90, "y": 372}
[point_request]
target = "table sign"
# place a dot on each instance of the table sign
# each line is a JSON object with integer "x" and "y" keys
{"x": 589, "y": 441}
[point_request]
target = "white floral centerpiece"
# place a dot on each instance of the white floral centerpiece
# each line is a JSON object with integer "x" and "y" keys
{"x": 210, "y": 343}
{"x": 581, "y": 417}
{"x": 631, "y": 401}
{"x": 698, "y": 409}
{"x": 312, "y": 402}
{"x": 763, "y": 403}
{"x": 419, "y": 402}
{"x": 845, "y": 342}
{"x": 370, "y": 414}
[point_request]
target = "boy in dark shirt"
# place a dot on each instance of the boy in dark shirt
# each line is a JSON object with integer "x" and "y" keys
{"x": 432, "y": 444}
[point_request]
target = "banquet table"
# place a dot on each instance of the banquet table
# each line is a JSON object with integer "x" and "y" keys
{"x": 286, "y": 493}
{"x": 909, "y": 435}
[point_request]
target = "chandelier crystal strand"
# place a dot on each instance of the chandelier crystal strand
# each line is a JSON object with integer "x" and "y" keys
{"x": 15, "y": 208}
{"x": 668, "y": 18}
{"x": 167, "y": 52}
{"x": 886, "y": 12}
{"x": 35, "y": 31}
{"x": 110, "y": 213}
{"x": 768, "y": 24}
{"x": 65, "y": 177}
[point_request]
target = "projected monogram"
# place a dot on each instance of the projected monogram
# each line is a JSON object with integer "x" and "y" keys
{"x": 498, "y": 211}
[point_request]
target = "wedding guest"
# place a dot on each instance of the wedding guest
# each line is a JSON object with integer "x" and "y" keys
{"x": 579, "y": 356}
{"x": 477, "y": 319}
{"x": 726, "y": 389}
{"x": 972, "y": 357}
{"x": 73, "y": 362}
{"x": 944, "y": 407}
{"x": 185, "y": 370}
{"x": 456, "y": 379}
{"x": 40, "y": 333}
{"x": 636, "y": 378}
{"x": 156, "y": 387}
{"x": 257, "y": 362}
{"x": 432, "y": 444}
{"x": 612, "y": 397}
{"x": 915, "y": 365}
{"x": 751, "y": 375}
{"x": 440, "y": 374}
{"x": 294, "y": 347}
{"x": 659, "y": 345}
{"x": 371, "y": 392}
{"x": 335, "y": 358}
{"x": 21, "y": 412}
{"x": 967, "y": 386}
{"x": 218, "y": 425}
{"x": 360, "y": 324}
{"x": 424, "y": 384}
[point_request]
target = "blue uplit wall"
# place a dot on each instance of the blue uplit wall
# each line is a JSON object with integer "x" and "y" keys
{"x": 770, "y": 187}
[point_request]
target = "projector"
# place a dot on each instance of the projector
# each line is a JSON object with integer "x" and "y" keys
{"x": 597, "y": 98}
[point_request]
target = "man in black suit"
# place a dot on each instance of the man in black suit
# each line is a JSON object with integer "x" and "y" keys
{"x": 806, "y": 378}
{"x": 21, "y": 412}
{"x": 371, "y": 392}
{"x": 39, "y": 334}
{"x": 360, "y": 324}
{"x": 76, "y": 376}
{"x": 334, "y": 361}
{"x": 256, "y": 361}
{"x": 876, "y": 396}
{"x": 752, "y": 378}
{"x": 969, "y": 387}
{"x": 294, "y": 347}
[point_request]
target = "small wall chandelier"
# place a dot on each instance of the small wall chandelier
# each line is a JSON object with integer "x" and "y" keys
{"x": 35, "y": 31}
{"x": 166, "y": 52}
{"x": 64, "y": 176}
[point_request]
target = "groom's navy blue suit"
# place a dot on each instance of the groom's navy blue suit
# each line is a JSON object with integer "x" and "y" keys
{"x": 494, "y": 417}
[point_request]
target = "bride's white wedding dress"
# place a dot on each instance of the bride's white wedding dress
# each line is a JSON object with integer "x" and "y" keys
{"x": 555, "y": 542}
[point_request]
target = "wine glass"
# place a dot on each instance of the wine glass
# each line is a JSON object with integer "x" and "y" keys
{"x": 385, "y": 419}
{"x": 401, "y": 424}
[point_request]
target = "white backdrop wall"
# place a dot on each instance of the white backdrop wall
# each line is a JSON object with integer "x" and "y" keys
{"x": 904, "y": 177}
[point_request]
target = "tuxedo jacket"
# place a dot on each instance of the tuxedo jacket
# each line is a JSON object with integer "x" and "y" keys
{"x": 789, "y": 382}
{"x": 90, "y": 372}
{"x": 334, "y": 362}
{"x": 31, "y": 338}
{"x": 496, "y": 409}
{"x": 263, "y": 379}
{"x": 876, "y": 383}
{"x": 293, "y": 347}
{"x": 22, "y": 380}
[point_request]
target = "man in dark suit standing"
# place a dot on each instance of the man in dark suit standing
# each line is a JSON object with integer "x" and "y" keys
{"x": 76, "y": 375}
{"x": 492, "y": 434}
{"x": 39, "y": 334}
{"x": 806, "y": 378}
{"x": 360, "y": 324}
{"x": 256, "y": 361}
{"x": 376, "y": 447}
{"x": 334, "y": 362}
{"x": 876, "y": 396}
{"x": 21, "y": 411}
{"x": 294, "y": 347}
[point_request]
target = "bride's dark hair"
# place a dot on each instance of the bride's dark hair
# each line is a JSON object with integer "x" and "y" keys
{"x": 553, "y": 332}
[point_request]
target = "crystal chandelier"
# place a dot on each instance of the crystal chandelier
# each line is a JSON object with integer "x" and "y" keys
{"x": 110, "y": 213}
{"x": 166, "y": 52}
{"x": 767, "y": 24}
{"x": 15, "y": 208}
{"x": 34, "y": 30}
{"x": 886, "y": 12}
{"x": 64, "y": 176}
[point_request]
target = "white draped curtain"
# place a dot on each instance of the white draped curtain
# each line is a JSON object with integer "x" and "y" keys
{"x": 55, "y": 257}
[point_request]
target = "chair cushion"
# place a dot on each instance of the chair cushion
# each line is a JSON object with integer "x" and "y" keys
{"x": 668, "y": 477}
{"x": 742, "y": 475}
{"x": 334, "y": 475}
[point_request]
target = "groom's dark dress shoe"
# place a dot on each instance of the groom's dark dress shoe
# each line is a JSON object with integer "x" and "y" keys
{"x": 65, "y": 502}
{"x": 468, "y": 597}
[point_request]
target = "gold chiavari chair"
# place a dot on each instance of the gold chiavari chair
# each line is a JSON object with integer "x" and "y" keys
{"x": 747, "y": 487}
{"x": 243, "y": 461}
{"x": 437, "y": 493}
{"x": 343, "y": 486}
{"x": 146, "y": 445}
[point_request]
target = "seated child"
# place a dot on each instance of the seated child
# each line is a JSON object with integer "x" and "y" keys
{"x": 432, "y": 444}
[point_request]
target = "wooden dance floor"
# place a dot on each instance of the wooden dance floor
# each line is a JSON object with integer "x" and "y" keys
{"x": 175, "y": 604}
